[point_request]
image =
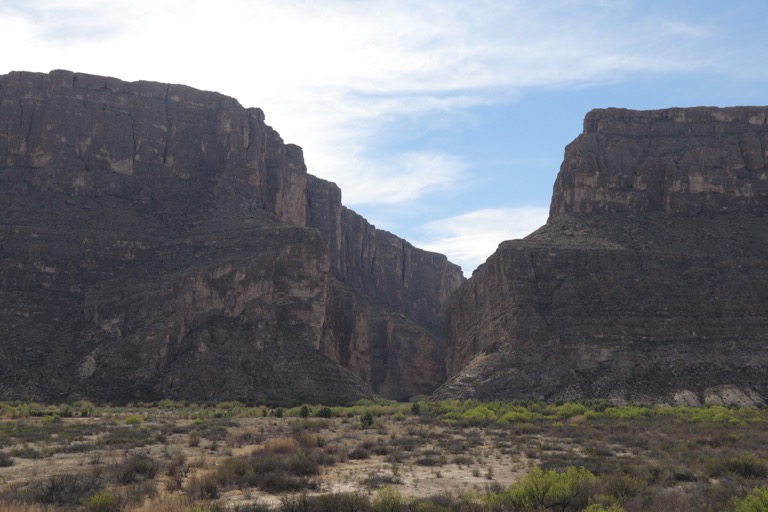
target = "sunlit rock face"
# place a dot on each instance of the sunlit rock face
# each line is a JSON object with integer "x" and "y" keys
{"x": 647, "y": 283}
{"x": 161, "y": 241}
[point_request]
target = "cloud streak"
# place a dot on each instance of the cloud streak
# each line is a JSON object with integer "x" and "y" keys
{"x": 469, "y": 239}
{"x": 339, "y": 76}
{"x": 331, "y": 74}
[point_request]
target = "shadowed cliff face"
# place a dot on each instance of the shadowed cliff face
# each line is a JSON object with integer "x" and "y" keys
{"x": 157, "y": 240}
{"x": 648, "y": 281}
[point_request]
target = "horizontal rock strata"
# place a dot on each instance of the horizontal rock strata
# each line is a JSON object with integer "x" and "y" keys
{"x": 161, "y": 241}
{"x": 648, "y": 281}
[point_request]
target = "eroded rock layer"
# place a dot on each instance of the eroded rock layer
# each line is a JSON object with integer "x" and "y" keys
{"x": 649, "y": 281}
{"x": 161, "y": 241}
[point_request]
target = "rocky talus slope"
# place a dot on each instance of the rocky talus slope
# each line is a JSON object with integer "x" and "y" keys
{"x": 648, "y": 282}
{"x": 161, "y": 241}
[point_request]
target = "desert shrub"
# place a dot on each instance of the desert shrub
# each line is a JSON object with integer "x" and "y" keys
{"x": 76, "y": 448}
{"x": 5, "y": 460}
{"x": 376, "y": 480}
{"x": 366, "y": 420}
{"x": 244, "y": 438}
{"x": 756, "y": 501}
{"x": 325, "y": 412}
{"x": 127, "y": 437}
{"x": 547, "y": 489}
{"x": 745, "y": 465}
{"x": 269, "y": 471}
{"x": 407, "y": 443}
{"x": 388, "y": 499}
{"x": 326, "y": 503}
{"x": 308, "y": 441}
{"x": 282, "y": 445}
{"x": 63, "y": 489}
{"x": 203, "y": 487}
{"x": 431, "y": 460}
{"x": 622, "y": 486}
{"x": 193, "y": 441}
{"x": 26, "y": 452}
{"x": 134, "y": 419}
{"x": 480, "y": 415}
{"x": 463, "y": 460}
{"x": 135, "y": 467}
{"x": 359, "y": 454}
{"x": 310, "y": 424}
{"x": 254, "y": 507}
{"x": 103, "y": 501}
{"x": 614, "y": 507}
{"x": 176, "y": 469}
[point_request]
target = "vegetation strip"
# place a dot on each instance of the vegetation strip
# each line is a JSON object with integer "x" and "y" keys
{"x": 382, "y": 456}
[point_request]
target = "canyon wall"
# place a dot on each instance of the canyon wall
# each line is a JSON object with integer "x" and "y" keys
{"x": 648, "y": 282}
{"x": 157, "y": 240}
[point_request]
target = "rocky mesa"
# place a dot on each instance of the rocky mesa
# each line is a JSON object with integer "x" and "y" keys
{"x": 161, "y": 241}
{"x": 649, "y": 280}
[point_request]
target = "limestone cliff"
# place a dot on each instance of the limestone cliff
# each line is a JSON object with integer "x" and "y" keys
{"x": 158, "y": 240}
{"x": 648, "y": 281}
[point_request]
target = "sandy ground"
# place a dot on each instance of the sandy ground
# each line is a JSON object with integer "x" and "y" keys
{"x": 487, "y": 465}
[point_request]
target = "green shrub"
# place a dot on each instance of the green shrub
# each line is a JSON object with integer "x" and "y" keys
{"x": 756, "y": 501}
{"x": 547, "y": 489}
{"x": 366, "y": 420}
{"x": 134, "y": 419}
{"x": 388, "y": 500}
{"x": 103, "y": 501}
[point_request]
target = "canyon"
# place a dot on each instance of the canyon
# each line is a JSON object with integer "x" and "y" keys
{"x": 161, "y": 241}
{"x": 158, "y": 241}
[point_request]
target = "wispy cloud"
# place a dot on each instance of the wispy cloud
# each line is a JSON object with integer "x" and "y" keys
{"x": 404, "y": 178}
{"x": 469, "y": 239}
{"x": 330, "y": 74}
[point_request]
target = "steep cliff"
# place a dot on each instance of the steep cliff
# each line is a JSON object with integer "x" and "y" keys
{"x": 158, "y": 240}
{"x": 648, "y": 281}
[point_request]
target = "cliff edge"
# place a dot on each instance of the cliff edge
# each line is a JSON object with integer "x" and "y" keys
{"x": 648, "y": 281}
{"x": 161, "y": 241}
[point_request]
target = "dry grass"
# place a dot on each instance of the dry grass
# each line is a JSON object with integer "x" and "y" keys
{"x": 642, "y": 459}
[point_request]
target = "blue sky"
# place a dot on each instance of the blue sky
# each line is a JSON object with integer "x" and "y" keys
{"x": 442, "y": 121}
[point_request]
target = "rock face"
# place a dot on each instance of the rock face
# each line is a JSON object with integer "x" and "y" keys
{"x": 649, "y": 280}
{"x": 160, "y": 241}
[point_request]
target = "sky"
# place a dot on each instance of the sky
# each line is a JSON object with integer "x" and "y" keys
{"x": 443, "y": 121}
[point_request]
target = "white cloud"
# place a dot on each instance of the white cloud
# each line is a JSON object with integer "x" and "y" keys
{"x": 404, "y": 178}
{"x": 469, "y": 239}
{"x": 330, "y": 74}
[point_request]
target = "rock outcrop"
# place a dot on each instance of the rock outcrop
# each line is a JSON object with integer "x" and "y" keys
{"x": 648, "y": 282}
{"x": 161, "y": 241}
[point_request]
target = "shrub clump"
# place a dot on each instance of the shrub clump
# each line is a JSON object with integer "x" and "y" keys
{"x": 281, "y": 466}
{"x": 137, "y": 466}
{"x": 5, "y": 460}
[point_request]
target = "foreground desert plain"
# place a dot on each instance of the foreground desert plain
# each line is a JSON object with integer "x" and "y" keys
{"x": 382, "y": 456}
